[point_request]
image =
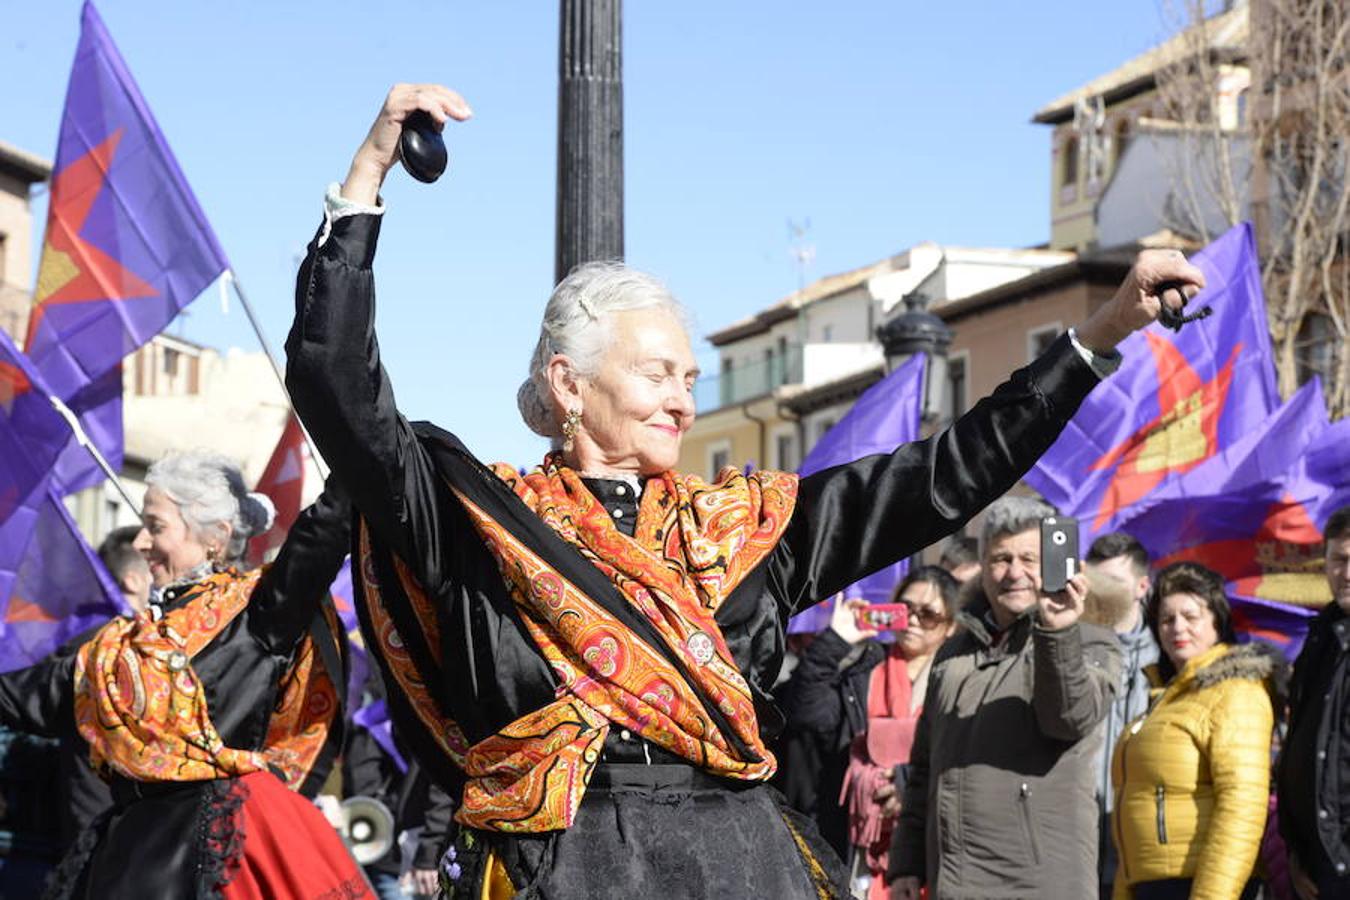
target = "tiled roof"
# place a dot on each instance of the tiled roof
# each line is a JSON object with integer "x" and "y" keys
{"x": 23, "y": 164}
{"x": 819, "y": 289}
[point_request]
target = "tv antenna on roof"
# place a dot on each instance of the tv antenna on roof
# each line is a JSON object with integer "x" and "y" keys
{"x": 802, "y": 253}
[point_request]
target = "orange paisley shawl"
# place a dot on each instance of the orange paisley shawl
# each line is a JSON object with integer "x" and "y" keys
{"x": 143, "y": 709}
{"x": 694, "y": 543}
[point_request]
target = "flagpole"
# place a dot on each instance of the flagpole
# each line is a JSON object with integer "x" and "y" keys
{"x": 83, "y": 440}
{"x": 276, "y": 369}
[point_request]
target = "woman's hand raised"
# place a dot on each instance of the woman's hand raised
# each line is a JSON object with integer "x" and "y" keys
{"x": 1140, "y": 298}
{"x": 379, "y": 151}
{"x": 844, "y": 619}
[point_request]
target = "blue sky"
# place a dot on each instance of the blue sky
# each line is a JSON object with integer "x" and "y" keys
{"x": 885, "y": 124}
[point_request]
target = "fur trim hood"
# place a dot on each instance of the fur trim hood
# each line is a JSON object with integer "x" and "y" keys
{"x": 1257, "y": 660}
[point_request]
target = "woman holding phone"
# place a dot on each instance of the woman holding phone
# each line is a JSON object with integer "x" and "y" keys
{"x": 860, "y": 700}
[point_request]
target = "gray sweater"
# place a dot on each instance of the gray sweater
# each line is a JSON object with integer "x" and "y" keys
{"x": 1137, "y": 650}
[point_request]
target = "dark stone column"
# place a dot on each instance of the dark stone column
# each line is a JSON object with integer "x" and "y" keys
{"x": 590, "y": 134}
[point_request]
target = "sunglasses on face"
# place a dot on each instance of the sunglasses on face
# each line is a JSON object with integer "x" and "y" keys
{"x": 926, "y": 616}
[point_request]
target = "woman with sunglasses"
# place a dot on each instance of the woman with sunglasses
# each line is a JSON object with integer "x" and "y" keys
{"x": 862, "y": 700}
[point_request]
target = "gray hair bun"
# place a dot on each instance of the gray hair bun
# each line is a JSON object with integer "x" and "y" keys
{"x": 257, "y": 512}
{"x": 535, "y": 411}
{"x": 575, "y": 325}
{"x": 211, "y": 495}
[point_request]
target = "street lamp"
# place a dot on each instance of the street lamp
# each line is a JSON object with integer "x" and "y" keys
{"x": 916, "y": 330}
{"x": 589, "y": 222}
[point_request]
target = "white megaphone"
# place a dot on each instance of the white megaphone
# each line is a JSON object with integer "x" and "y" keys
{"x": 367, "y": 826}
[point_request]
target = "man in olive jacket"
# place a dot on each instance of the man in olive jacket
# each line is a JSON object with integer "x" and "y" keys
{"x": 1001, "y": 796}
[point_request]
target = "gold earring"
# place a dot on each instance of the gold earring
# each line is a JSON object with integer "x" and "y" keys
{"x": 571, "y": 422}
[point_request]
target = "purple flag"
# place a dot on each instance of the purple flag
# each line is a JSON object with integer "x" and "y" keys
{"x": 52, "y": 584}
{"x": 1176, "y": 401}
{"x": 127, "y": 246}
{"x": 32, "y": 433}
{"x": 374, "y": 717}
{"x": 1254, "y": 514}
{"x": 1260, "y": 460}
{"x": 101, "y": 404}
{"x": 884, "y": 417}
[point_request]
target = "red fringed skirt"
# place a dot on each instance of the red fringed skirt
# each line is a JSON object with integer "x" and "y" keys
{"x": 289, "y": 851}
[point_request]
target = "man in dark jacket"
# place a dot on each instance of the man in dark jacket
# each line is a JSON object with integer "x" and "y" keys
{"x": 1001, "y": 796}
{"x": 1313, "y": 778}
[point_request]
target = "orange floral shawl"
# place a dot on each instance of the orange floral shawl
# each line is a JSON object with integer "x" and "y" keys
{"x": 694, "y": 542}
{"x": 143, "y": 709}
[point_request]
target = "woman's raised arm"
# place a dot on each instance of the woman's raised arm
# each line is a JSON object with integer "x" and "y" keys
{"x": 379, "y": 151}
{"x": 288, "y": 595}
{"x": 854, "y": 519}
{"x": 337, "y": 382}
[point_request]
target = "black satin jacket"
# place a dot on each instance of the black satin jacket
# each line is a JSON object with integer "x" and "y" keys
{"x": 147, "y": 846}
{"x": 849, "y": 520}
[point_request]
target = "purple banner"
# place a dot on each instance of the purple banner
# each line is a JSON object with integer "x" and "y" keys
{"x": 32, "y": 433}
{"x": 374, "y": 717}
{"x": 99, "y": 406}
{"x": 359, "y": 662}
{"x": 126, "y": 247}
{"x": 52, "y": 584}
{"x": 1254, "y": 514}
{"x": 884, "y": 417}
{"x": 1177, "y": 401}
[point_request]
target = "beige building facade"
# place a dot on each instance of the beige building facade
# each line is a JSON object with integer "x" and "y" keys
{"x": 788, "y": 373}
{"x": 1093, "y": 124}
{"x": 1004, "y": 328}
{"x": 20, "y": 172}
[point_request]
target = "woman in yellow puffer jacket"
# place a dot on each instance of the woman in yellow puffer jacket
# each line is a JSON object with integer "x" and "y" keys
{"x": 1192, "y": 776}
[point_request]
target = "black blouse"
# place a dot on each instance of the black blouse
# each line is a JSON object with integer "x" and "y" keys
{"x": 850, "y": 520}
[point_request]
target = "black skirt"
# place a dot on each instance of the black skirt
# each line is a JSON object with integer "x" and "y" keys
{"x": 663, "y": 830}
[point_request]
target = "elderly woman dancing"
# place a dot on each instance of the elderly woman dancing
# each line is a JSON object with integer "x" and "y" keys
{"x": 582, "y": 653}
{"x": 203, "y": 710}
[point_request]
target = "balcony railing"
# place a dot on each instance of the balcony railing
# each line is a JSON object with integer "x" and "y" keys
{"x": 745, "y": 382}
{"x": 810, "y": 364}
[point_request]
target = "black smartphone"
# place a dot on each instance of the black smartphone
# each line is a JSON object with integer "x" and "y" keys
{"x": 1059, "y": 552}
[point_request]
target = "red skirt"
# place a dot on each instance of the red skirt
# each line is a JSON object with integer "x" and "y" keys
{"x": 290, "y": 851}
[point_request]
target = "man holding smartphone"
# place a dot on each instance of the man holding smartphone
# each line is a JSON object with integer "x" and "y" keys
{"x": 1001, "y": 796}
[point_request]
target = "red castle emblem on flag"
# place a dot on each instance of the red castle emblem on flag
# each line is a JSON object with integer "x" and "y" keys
{"x": 1184, "y": 434}
{"x": 1282, "y": 561}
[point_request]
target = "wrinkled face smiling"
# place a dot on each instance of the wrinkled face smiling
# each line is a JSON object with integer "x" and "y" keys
{"x": 1011, "y": 574}
{"x": 168, "y": 545}
{"x": 636, "y": 408}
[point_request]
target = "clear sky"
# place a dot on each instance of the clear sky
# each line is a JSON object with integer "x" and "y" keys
{"x": 884, "y": 124}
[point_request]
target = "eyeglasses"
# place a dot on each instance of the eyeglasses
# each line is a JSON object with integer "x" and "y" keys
{"x": 926, "y": 616}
